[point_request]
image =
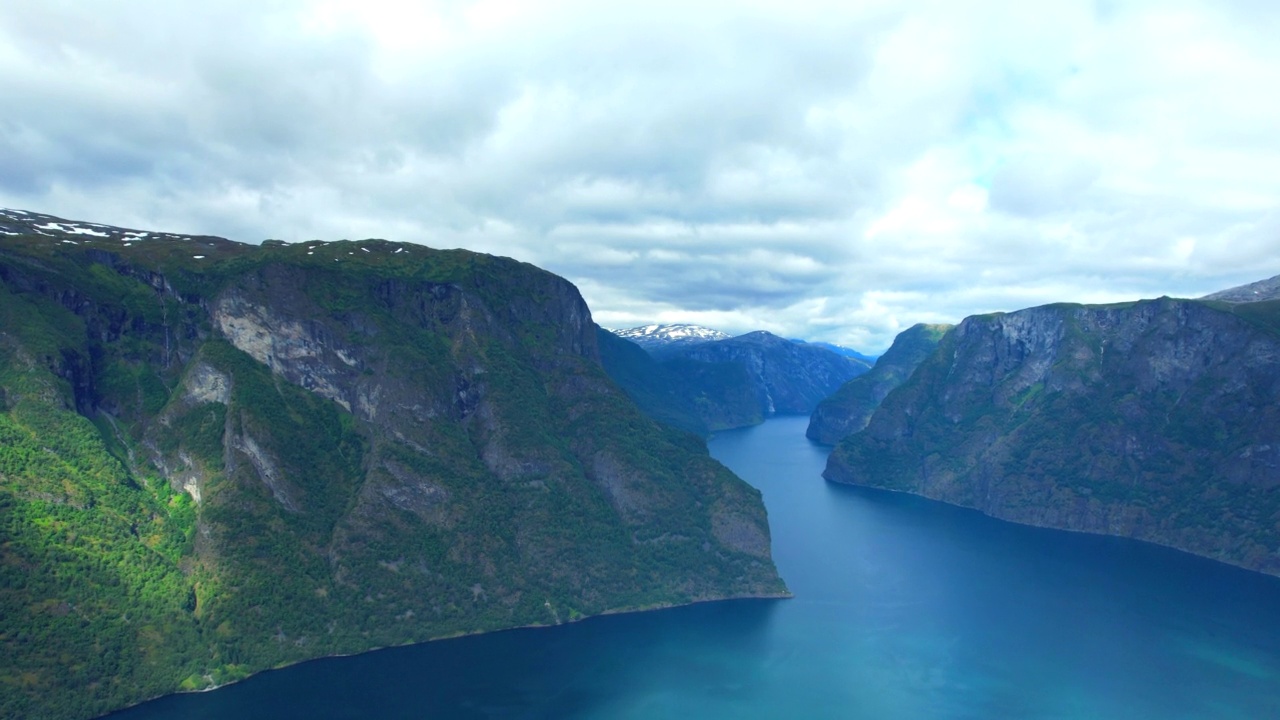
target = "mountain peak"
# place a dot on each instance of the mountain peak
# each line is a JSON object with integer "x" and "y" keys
{"x": 672, "y": 331}
{"x": 661, "y": 338}
{"x": 1268, "y": 289}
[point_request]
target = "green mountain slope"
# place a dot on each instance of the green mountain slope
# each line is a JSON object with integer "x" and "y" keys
{"x": 220, "y": 458}
{"x": 849, "y": 409}
{"x": 700, "y": 397}
{"x": 1158, "y": 420}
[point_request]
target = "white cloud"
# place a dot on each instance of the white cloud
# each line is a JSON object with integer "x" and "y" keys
{"x": 830, "y": 170}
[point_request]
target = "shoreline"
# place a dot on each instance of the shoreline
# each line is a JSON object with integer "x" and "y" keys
{"x": 784, "y": 595}
{"x": 1176, "y": 548}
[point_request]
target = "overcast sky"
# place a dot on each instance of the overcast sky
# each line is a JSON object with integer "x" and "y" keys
{"x": 834, "y": 171}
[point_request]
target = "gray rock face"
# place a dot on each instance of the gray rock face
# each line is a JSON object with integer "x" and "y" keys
{"x": 789, "y": 378}
{"x": 1262, "y": 290}
{"x": 1158, "y": 420}
{"x": 850, "y": 408}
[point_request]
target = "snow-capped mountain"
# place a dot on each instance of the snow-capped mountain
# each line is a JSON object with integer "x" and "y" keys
{"x": 666, "y": 339}
{"x": 22, "y": 222}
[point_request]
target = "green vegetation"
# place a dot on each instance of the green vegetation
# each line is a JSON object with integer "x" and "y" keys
{"x": 94, "y": 605}
{"x": 1157, "y": 420}
{"x": 212, "y": 466}
{"x": 699, "y": 397}
{"x": 850, "y": 408}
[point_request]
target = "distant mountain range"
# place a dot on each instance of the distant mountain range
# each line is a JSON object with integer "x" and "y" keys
{"x": 840, "y": 350}
{"x": 703, "y": 380}
{"x": 663, "y": 341}
{"x": 700, "y": 397}
{"x": 788, "y": 377}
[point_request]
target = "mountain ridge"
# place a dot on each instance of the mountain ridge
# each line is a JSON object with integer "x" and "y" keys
{"x": 1262, "y": 290}
{"x": 789, "y": 378}
{"x": 664, "y": 340}
{"x": 700, "y": 384}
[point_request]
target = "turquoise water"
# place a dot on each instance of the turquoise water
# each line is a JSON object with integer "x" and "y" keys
{"x": 904, "y": 608}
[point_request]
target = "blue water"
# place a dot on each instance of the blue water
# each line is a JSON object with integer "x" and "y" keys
{"x": 904, "y": 608}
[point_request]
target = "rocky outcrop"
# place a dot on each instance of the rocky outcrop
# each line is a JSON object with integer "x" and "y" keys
{"x": 1157, "y": 420}
{"x": 849, "y": 409}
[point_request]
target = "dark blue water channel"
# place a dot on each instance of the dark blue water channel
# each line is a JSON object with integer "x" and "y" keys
{"x": 904, "y": 608}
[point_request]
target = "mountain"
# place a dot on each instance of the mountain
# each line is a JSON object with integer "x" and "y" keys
{"x": 840, "y": 350}
{"x": 848, "y": 410}
{"x": 1268, "y": 289}
{"x": 663, "y": 341}
{"x": 218, "y": 458}
{"x": 787, "y": 377}
{"x": 698, "y": 397}
{"x": 1157, "y": 420}
{"x": 702, "y": 380}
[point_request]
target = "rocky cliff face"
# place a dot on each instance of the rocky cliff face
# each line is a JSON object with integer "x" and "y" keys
{"x": 850, "y": 408}
{"x": 788, "y": 378}
{"x": 1158, "y": 420}
{"x": 229, "y": 457}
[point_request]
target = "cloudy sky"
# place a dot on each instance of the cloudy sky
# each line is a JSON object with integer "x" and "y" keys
{"x": 835, "y": 171}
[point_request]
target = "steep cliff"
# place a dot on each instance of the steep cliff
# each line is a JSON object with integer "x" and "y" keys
{"x": 220, "y": 458}
{"x": 1158, "y": 420}
{"x": 787, "y": 377}
{"x": 849, "y": 409}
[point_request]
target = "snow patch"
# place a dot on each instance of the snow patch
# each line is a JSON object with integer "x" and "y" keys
{"x": 671, "y": 333}
{"x": 87, "y": 231}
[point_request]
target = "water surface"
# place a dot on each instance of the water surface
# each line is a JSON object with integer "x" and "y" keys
{"x": 904, "y": 608}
